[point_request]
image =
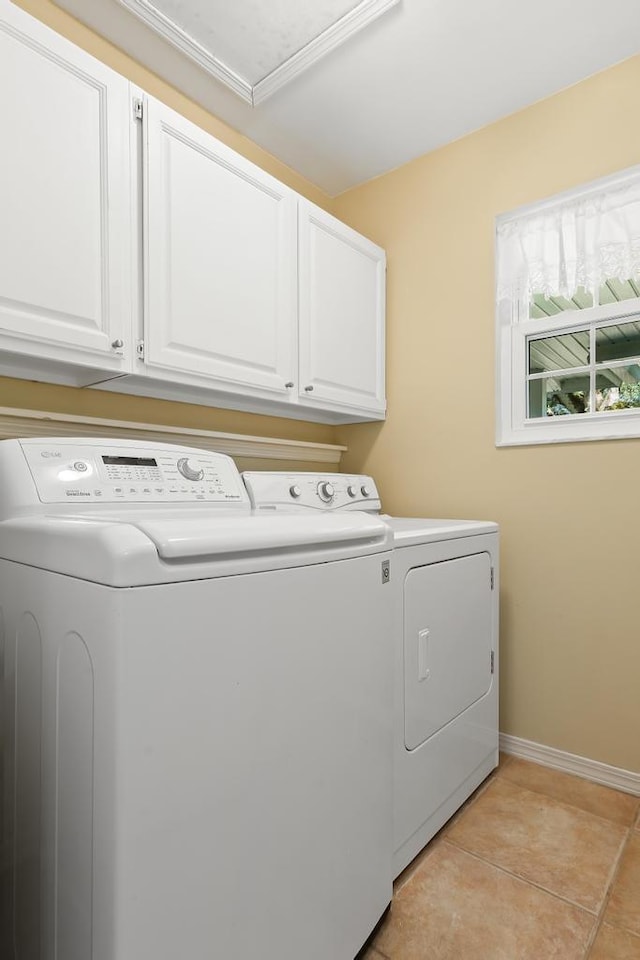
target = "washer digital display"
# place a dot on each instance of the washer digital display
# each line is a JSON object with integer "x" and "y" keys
{"x": 131, "y": 461}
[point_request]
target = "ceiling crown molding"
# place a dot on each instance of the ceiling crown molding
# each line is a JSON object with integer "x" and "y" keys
{"x": 177, "y": 37}
{"x": 351, "y": 23}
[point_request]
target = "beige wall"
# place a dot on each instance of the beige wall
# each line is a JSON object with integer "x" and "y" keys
{"x": 570, "y": 596}
{"x": 29, "y": 395}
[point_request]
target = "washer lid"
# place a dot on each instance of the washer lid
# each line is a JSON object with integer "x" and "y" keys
{"x": 128, "y": 551}
{"x": 193, "y": 538}
{"x": 408, "y": 531}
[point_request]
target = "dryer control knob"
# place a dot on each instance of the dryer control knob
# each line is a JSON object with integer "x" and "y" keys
{"x": 352, "y": 491}
{"x": 366, "y": 492}
{"x": 190, "y": 469}
{"x": 295, "y": 491}
{"x": 326, "y": 491}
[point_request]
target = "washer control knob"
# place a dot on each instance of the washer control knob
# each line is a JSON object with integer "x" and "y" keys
{"x": 352, "y": 491}
{"x": 190, "y": 469}
{"x": 326, "y": 491}
{"x": 295, "y": 491}
{"x": 80, "y": 466}
{"x": 365, "y": 491}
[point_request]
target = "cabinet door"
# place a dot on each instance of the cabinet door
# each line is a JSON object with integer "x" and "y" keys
{"x": 65, "y": 210}
{"x": 220, "y": 261}
{"x": 342, "y": 290}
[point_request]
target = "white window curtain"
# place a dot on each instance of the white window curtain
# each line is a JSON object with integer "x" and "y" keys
{"x": 574, "y": 243}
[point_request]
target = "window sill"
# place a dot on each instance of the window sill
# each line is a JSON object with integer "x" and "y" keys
{"x": 573, "y": 429}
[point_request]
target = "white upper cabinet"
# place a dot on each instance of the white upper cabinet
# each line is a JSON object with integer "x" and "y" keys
{"x": 65, "y": 208}
{"x": 342, "y": 311}
{"x": 149, "y": 258}
{"x": 220, "y": 263}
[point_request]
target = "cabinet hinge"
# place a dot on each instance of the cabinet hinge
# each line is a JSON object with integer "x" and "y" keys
{"x": 140, "y": 349}
{"x": 493, "y": 578}
{"x": 493, "y": 662}
{"x": 137, "y": 108}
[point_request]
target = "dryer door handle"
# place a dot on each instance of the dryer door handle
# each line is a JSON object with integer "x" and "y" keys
{"x": 423, "y": 655}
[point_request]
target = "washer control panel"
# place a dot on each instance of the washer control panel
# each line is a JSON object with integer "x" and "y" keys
{"x": 308, "y": 491}
{"x": 76, "y": 471}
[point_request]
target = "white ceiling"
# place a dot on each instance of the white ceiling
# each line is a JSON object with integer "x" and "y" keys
{"x": 424, "y": 74}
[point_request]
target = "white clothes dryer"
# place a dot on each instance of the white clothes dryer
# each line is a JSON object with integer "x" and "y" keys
{"x": 444, "y": 579}
{"x": 193, "y": 695}
{"x": 445, "y": 582}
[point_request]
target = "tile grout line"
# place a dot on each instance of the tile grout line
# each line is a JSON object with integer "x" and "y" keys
{"x": 613, "y": 876}
{"x": 567, "y": 803}
{"x": 372, "y": 952}
{"x": 442, "y": 836}
{"x": 470, "y": 801}
{"x": 596, "y": 916}
{"x": 628, "y": 833}
{"x": 531, "y": 883}
{"x": 420, "y": 857}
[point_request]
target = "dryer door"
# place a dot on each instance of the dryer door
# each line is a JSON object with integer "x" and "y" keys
{"x": 447, "y": 642}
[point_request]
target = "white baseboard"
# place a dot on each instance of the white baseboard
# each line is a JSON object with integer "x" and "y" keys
{"x": 616, "y": 777}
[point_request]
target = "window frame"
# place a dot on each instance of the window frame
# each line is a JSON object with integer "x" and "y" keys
{"x": 514, "y": 327}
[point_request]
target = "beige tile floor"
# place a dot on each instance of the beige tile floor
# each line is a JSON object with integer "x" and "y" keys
{"x": 538, "y": 865}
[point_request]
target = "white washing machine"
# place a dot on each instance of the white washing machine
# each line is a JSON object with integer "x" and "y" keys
{"x": 444, "y": 578}
{"x": 197, "y": 755}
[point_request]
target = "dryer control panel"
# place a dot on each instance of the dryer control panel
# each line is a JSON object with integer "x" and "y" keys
{"x": 112, "y": 471}
{"x": 296, "y": 492}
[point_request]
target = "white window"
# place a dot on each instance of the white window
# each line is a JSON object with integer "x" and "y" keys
{"x": 568, "y": 316}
